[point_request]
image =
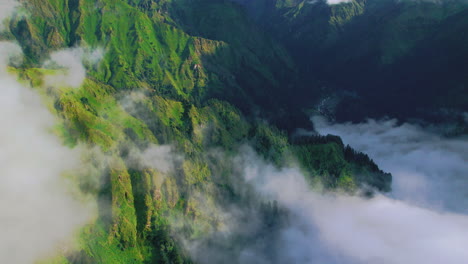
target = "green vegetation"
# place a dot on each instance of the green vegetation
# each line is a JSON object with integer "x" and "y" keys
{"x": 206, "y": 78}
{"x": 339, "y": 166}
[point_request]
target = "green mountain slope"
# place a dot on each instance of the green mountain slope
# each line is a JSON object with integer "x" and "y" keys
{"x": 187, "y": 50}
{"x": 197, "y": 82}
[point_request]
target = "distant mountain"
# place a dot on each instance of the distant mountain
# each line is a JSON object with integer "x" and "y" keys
{"x": 400, "y": 58}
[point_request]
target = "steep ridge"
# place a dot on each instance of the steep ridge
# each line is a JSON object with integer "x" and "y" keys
{"x": 188, "y": 50}
{"x": 169, "y": 76}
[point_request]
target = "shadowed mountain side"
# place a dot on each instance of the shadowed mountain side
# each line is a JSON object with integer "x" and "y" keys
{"x": 410, "y": 52}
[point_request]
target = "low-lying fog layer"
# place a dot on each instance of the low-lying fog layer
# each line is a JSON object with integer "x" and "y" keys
{"x": 428, "y": 170}
{"x": 423, "y": 220}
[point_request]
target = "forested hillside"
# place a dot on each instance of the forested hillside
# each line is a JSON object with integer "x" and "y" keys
{"x": 180, "y": 80}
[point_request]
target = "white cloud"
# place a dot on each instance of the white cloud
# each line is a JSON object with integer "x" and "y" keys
{"x": 336, "y": 2}
{"x": 332, "y": 228}
{"x": 72, "y": 60}
{"x": 159, "y": 157}
{"x": 330, "y": 2}
{"x": 428, "y": 170}
{"x": 37, "y": 212}
{"x": 7, "y": 7}
{"x": 424, "y": 220}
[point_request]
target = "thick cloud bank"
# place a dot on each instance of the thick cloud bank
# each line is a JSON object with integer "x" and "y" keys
{"x": 342, "y": 229}
{"x": 428, "y": 170}
{"x": 37, "y": 213}
{"x": 424, "y": 222}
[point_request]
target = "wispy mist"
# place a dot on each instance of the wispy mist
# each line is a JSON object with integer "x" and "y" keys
{"x": 336, "y": 2}
{"x": 330, "y": 2}
{"x": 356, "y": 230}
{"x": 7, "y": 7}
{"x": 72, "y": 61}
{"x": 422, "y": 221}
